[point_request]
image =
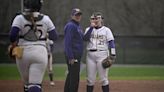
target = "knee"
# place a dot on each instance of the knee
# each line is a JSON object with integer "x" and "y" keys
{"x": 34, "y": 88}
{"x": 90, "y": 82}
{"x": 105, "y": 82}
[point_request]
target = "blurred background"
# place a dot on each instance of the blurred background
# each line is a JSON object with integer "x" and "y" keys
{"x": 138, "y": 26}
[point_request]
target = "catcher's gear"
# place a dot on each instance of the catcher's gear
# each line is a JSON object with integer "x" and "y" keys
{"x": 107, "y": 62}
{"x": 33, "y": 5}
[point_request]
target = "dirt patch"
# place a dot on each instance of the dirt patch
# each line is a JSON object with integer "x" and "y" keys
{"x": 115, "y": 86}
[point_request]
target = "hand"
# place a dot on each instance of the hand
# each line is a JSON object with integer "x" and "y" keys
{"x": 10, "y": 50}
{"x": 112, "y": 57}
{"x": 93, "y": 24}
{"x": 72, "y": 61}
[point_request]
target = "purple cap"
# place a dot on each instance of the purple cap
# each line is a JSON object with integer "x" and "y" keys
{"x": 76, "y": 11}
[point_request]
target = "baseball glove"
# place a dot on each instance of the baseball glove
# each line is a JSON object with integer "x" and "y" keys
{"x": 15, "y": 52}
{"x": 10, "y": 51}
{"x": 107, "y": 62}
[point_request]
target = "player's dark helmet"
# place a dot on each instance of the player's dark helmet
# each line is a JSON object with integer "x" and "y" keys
{"x": 97, "y": 14}
{"x": 33, "y": 5}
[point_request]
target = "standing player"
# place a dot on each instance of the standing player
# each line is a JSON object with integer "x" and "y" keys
{"x": 99, "y": 38}
{"x": 28, "y": 44}
{"x": 73, "y": 42}
{"x": 50, "y": 61}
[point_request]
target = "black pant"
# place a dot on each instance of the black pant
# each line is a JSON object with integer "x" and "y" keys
{"x": 72, "y": 79}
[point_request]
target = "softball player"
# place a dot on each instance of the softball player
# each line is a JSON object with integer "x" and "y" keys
{"x": 28, "y": 34}
{"x": 50, "y": 61}
{"x": 99, "y": 38}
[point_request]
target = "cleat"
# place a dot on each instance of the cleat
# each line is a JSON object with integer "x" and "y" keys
{"x": 52, "y": 83}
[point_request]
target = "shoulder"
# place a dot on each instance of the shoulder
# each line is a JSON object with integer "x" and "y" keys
{"x": 18, "y": 18}
{"x": 70, "y": 24}
{"x": 45, "y": 16}
{"x": 70, "y": 27}
{"x": 106, "y": 28}
{"x": 47, "y": 20}
{"x": 87, "y": 28}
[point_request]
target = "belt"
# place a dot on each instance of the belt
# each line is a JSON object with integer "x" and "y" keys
{"x": 93, "y": 50}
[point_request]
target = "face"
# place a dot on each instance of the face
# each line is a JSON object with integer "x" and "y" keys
{"x": 77, "y": 17}
{"x": 97, "y": 21}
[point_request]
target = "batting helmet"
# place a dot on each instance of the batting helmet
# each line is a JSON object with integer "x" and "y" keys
{"x": 97, "y": 15}
{"x": 33, "y": 5}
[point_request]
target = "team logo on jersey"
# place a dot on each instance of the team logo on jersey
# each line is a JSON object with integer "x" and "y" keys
{"x": 100, "y": 39}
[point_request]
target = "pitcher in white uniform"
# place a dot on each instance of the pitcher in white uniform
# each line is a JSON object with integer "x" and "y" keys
{"x": 100, "y": 44}
{"x": 28, "y": 36}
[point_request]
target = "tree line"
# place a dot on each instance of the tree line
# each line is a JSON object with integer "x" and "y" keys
{"x": 124, "y": 17}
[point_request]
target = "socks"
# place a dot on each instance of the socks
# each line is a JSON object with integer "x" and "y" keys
{"x": 51, "y": 76}
{"x": 105, "y": 88}
{"x": 25, "y": 88}
{"x": 34, "y": 88}
{"x": 89, "y": 88}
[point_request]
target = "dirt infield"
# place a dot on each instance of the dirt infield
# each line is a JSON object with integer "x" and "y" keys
{"x": 115, "y": 86}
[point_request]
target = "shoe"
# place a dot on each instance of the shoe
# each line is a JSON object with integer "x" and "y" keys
{"x": 52, "y": 83}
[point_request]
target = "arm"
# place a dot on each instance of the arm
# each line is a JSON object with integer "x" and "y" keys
{"x": 51, "y": 29}
{"x": 14, "y": 33}
{"x": 68, "y": 42}
{"x": 112, "y": 50}
{"x": 53, "y": 35}
{"x": 107, "y": 62}
{"x": 88, "y": 34}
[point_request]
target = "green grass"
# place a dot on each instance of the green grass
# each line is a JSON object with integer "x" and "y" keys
{"x": 131, "y": 72}
{"x": 8, "y": 72}
{"x": 137, "y": 73}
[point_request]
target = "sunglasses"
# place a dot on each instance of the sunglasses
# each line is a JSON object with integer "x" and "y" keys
{"x": 78, "y": 14}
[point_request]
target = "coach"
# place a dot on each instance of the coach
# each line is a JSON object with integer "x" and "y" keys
{"x": 73, "y": 42}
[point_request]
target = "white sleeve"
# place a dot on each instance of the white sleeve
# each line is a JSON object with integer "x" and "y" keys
{"x": 109, "y": 35}
{"x": 86, "y": 30}
{"x": 17, "y": 21}
{"x": 49, "y": 24}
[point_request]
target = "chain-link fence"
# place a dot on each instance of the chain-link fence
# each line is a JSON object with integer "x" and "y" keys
{"x": 130, "y": 50}
{"x": 140, "y": 49}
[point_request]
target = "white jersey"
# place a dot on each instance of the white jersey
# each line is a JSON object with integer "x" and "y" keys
{"x": 43, "y": 26}
{"x": 99, "y": 38}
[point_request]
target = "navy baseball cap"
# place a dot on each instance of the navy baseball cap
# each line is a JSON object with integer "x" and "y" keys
{"x": 76, "y": 11}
